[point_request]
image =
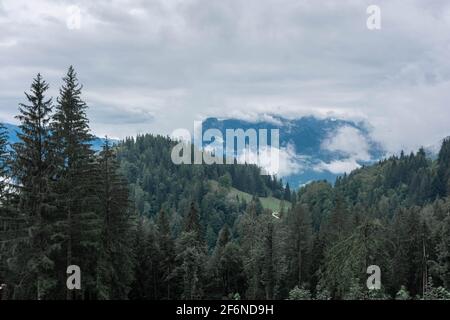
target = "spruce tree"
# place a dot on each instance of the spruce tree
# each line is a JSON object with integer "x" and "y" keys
{"x": 441, "y": 181}
{"x": 146, "y": 270}
{"x": 192, "y": 223}
{"x": 190, "y": 270}
{"x": 287, "y": 193}
{"x": 75, "y": 186}
{"x": 218, "y": 278}
{"x": 166, "y": 245}
{"x": 268, "y": 271}
{"x": 299, "y": 247}
{"x": 115, "y": 265}
{"x": 5, "y": 219}
{"x": 33, "y": 171}
{"x": 252, "y": 244}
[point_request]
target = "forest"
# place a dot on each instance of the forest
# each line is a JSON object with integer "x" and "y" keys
{"x": 142, "y": 228}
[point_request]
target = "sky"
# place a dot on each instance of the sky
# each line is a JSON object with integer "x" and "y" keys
{"x": 158, "y": 65}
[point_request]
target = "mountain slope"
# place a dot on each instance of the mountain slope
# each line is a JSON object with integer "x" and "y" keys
{"x": 13, "y": 130}
{"x": 312, "y": 148}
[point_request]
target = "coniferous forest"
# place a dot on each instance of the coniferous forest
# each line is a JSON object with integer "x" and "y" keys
{"x": 140, "y": 227}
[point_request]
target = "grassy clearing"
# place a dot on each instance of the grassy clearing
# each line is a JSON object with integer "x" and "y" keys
{"x": 270, "y": 203}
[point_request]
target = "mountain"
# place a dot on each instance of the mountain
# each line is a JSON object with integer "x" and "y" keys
{"x": 312, "y": 148}
{"x": 12, "y": 130}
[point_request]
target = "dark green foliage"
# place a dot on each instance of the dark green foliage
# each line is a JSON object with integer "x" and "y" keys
{"x": 115, "y": 264}
{"x": 444, "y": 252}
{"x": 190, "y": 269}
{"x": 287, "y": 193}
{"x": 33, "y": 170}
{"x": 146, "y": 267}
{"x": 299, "y": 245}
{"x": 195, "y": 238}
{"x": 166, "y": 264}
{"x": 441, "y": 183}
{"x": 65, "y": 207}
{"x": 76, "y": 191}
{"x": 225, "y": 267}
{"x": 9, "y": 221}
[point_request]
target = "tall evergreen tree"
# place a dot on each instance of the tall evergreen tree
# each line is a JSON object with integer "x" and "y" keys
{"x": 219, "y": 275}
{"x": 115, "y": 265}
{"x": 190, "y": 270}
{"x": 300, "y": 245}
{"x": 33, "y": 171}
{"x": 192, "y": 223}
{"x": 441, "y": 180}
{"x": 5, "y": 218}
{"x": 166, "y": 245}
{"x": 75, "y": 186}
{"x": 146, "y": 267}
{"x": 287, "y": 193}
{"x": 252, "y": 243}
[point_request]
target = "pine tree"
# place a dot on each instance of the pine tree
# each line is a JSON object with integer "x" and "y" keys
{"x": 226, "y": 268}
{"x": 337, "y": 225}
{"x": 347, "y": 260}
{"x": 115, "y": 266}
{"x": 409, "y": 262}
{"x": 5, "y": 216}
{"x": 268, "y": 272}
{"x": 192, "y": 223}
{"x": 75, "y": 186}
{"x": 287, "y": 193}
{"x": 166, "y": 245}
{"x": 299, "y": 246}
{"x": 33, "y": 170}
{"x": 252, "y": 244}
{"x": 442, "y": 176}
{"x": 190, "y": 261}
{"x": 146, "y": 268}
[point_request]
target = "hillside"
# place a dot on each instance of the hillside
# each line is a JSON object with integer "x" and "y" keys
{"x": 313, "y": 149}
{"x": 141, "y": 227}
{"x": 270, "y": 203}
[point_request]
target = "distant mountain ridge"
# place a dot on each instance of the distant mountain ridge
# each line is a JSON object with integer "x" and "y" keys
{"x": 313, "y": 148}
{"x": 12, "y": 131}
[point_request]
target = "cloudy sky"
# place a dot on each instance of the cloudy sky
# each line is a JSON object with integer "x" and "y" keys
{"x": 157, "y": 65}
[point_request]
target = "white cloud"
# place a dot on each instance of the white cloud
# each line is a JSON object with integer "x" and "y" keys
{"x": 275, "y": 161}
{"x": 338, "y": 166}
{"x": 178, "y": 59}
{"x": 349, "y": 141}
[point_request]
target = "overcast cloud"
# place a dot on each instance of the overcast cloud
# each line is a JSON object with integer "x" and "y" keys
{"x": 153, "y": 66}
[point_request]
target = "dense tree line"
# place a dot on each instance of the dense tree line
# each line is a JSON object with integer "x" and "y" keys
{"x": 141, "y": 227}
{"x": 393, "y": 214}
